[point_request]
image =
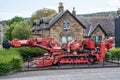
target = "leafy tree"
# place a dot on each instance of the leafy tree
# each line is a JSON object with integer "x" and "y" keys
{"x": 11, "y": 24}
{"x": 21, "y": 30}
{"x": 42, "y": 13}
{"x": 9, "y": 29}
{"x": 16, "y": 19}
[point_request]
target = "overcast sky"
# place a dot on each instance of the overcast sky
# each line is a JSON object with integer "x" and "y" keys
{"x": 25, "y": 8}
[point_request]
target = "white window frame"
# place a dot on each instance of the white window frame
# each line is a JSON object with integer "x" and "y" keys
{"x": 66, "y": 24}
{"x": 97, "y": 38}
{"x": 64, "y": 39}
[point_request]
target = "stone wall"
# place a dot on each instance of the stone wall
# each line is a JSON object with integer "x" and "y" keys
{"x": 46, "y": 33}
{"x": 76, "y": 30}
{"x": 98, "y": 32}
{"x": 37, "y": 33}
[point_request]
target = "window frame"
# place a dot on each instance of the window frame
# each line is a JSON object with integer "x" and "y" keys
{"x": 66, "y": 24}
{"x": 97, "y": 38}
{"x": 67, "y": 38}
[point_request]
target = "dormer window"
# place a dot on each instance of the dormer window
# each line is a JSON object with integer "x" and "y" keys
{"x": 66, "y": 24}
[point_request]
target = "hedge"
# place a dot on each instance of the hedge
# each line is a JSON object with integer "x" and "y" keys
{"x": 10, "y": 60}
{"x": 30, "y": 52}
{"x": 113, "y": 53}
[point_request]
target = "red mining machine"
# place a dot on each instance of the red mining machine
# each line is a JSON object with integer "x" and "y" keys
{"x": 76, "y": 51}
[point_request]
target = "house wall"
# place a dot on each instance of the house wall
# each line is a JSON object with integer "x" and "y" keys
{"x": 46, "y": 33}
{"x": 98, "y": 32}
{"x": 37, "y": 33}
{"x": 57, "y": 30}
{"x": 41, "y": 33}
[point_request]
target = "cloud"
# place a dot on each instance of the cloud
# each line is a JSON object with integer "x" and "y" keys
{"x": 94, "y": 10}
{"x": 114, "y": 2}
{"x": 10, "y": 15}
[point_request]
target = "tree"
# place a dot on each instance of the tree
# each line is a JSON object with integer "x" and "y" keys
{"x": 11, "y": 24}
{"x": 42, "y": 13}
{"x": 21, "y": 30}
{"x": 13, "y": 20}
{"x": 16, "y": 19}
{"x": 9, "y": 29}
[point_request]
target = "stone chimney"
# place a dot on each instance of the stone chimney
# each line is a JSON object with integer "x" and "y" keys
{"x": 61, "y": 7}
{"x": 45, "y": 11}
{"x": 74, "y": 12}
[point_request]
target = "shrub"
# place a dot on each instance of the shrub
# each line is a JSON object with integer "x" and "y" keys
{"x": 30, "y": 52}
{"x": 10, "y": 60}
{"x": 114, "y": 53}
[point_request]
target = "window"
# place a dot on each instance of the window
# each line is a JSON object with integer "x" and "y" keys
{"x": 97, "y": 38}
{"x": 70, "y": 38}
{"x": 66, "y": 38}
{"x": 94, "y": 38}
{"x": 66, "y": 24}
{"x": 100, "y": 38}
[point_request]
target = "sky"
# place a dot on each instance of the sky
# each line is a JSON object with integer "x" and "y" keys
{"x": 25, "y": 8}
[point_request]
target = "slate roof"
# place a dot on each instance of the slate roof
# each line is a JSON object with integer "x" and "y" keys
{"x": 106, "y": 23}
{"x": 48, "y": 22}
{"x": 94, "y": 28}
{"x": 88, "y": 23}
{"x": 38, "y": 26}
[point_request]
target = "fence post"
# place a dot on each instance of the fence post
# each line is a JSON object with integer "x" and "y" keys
{"x": 43, "y": 63}
{"x": 112, "y": 57}
{"x": 118, "y": 60}
{"x": 28, "y": 62}
{"x": 103, "y": 62}
{"x": 73, "y": 63}
{"x": 13, "y": 63}
{"x": 59, "y": 63}
{"x": 88, "y": 65}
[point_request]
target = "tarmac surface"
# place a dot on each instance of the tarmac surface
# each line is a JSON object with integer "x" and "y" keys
{"x": 67, "y": 74}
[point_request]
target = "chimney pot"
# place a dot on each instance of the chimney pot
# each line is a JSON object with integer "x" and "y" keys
{"x": 74, "y": 12}
{"x": 45, "y": 12}
{"x": 61, "y": 7}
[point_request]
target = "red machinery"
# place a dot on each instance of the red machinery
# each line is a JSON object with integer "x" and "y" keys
{"x": 76, "y": 51}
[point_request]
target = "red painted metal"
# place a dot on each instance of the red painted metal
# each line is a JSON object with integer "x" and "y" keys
{"x": 76, "y": 51}
{"x": 108, "y": 43}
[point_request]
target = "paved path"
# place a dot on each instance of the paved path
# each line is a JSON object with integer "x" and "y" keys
{"x": 0, "y": 46}
{"x": 69, "y": 74}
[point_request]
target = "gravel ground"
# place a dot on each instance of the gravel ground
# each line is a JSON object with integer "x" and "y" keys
{"x": 69, "y": 74}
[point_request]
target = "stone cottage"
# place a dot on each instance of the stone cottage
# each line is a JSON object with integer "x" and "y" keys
{"x": 65, "y": 26}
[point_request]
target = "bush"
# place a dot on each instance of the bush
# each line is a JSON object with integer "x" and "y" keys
{"x": 10, "y": 60}
{"x": 114, "y": 53}
{"x": 31, "y": 52}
